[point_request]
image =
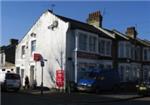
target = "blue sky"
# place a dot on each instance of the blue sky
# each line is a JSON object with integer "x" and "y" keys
{"x": 18, "y": 17}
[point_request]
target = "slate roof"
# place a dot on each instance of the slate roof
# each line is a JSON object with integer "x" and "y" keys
{"x": 138, "y": 40}
{"x": 120, "y": 34}
{"x": 75, "y": 24}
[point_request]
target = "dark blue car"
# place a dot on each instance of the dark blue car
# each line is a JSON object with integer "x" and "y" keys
{"x": 99, "y": 80}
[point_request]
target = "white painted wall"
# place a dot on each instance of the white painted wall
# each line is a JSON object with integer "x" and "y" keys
{"x": 49, "y": 43}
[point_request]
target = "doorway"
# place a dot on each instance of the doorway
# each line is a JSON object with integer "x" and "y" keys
{"x": 31, "y": 75}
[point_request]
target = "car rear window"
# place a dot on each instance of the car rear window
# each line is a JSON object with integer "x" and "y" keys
{"x": 12, "y": 76}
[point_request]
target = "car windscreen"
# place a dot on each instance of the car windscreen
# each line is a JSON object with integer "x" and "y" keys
{"x": 12, "y": 76}
{"x": 91, "y": 75}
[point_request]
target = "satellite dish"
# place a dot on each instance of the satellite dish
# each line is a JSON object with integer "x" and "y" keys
{"x": 53, "y": 25}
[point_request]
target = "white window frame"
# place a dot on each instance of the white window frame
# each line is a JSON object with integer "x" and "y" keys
{"x": 88, "y": 35}
{"x": 127, "y": 76}
{"x": 23, "y": 53}
{"x": 79, "y": 36}
{"x": 104, "y": 53}
{"x": 90, "y": 43}
{"x": 147, "y": 54}
{"x": 2, "y": 59}
{"x": 35, "y": 46}
{"x": 124, "y": 49}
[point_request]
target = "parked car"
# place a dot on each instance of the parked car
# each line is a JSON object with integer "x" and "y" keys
{"x": 10, "y": 81}
{"x": 129, "y": 86}
{"x": 99, "y": 80}
{"x": 144, "y": 88}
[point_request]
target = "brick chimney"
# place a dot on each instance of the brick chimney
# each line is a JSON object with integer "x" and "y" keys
{"x": 131, "y": 32}
{"x": 13, "y": 41}
{"x": 95, "y": 18}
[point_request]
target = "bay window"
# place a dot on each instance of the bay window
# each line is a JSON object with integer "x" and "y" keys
{"x": 82, "y": 41}
{"x": 124, "y": 50}
{"x": 105, "y": 47}
{"x": 92, "y": 44}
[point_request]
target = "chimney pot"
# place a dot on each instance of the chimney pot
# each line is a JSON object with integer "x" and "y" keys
{"x": 13, "y": 41}
{"x": 95, "y": 19}
{"x": 131, "y": 32}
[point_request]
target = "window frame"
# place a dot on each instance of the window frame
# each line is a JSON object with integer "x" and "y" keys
{"x": 33, "y": 48}
{"x": 82, "y": 42}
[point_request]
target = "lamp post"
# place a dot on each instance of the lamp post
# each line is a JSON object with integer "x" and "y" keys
{"x": 38, "y": 57}
{"x": 42, "y": 65}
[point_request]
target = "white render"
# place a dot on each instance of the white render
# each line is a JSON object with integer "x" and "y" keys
{"x": 49, "y": 43}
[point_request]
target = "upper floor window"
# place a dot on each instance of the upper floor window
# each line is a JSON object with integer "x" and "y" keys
{"x": 128, "y": 50}
{"x": 121, "y": 49}
{"x": 137, "y": 53}
{"x": 22, "y": 51}
{"x": 102, "y": 46}
{"x": 105, "y": 47}
{"x": 124, "y": 49}
{"x": 149, "y": 54}
{"x": 145, "y": 54}
{"x": 108, "y": 48}
{"x": 133, "y": 52}
{"x": 82, "y": 41}
{"x": 92, "y": 43}
{"x": 33, "y": 46}
{"x": 2, "y": 58}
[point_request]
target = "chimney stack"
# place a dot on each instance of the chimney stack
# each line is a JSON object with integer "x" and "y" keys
{"x": 131, "y": 32}
{"x": 13, "y": 41}
{"x": 95, "y": 18}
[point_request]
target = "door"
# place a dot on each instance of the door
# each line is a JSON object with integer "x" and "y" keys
{"x": 31, "y": 75}
{"x": 22, "y": 75}
{"x": 18, "y": 70}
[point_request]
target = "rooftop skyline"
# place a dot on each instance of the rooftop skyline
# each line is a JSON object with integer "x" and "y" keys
{"x": 18, "y": 17}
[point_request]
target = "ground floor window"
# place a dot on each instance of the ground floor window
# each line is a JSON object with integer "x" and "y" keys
{"x": 136, "y": 73}
{"x": 146, "y": 73}
{"x": 129, "y": 72}
{"x": 84, "y": 67}
{"x": 18, "y": 70}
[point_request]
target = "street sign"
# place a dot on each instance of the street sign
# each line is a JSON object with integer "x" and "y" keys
{"x": 60, "y": 78}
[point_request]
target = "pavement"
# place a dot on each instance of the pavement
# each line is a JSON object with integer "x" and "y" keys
{"x": 77, "y": 97}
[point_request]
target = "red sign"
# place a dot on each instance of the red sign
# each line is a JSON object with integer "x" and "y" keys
{"x": 37, "y": 57}
{"x": 60, "y": 78}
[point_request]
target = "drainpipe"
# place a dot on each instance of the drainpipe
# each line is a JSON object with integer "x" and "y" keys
{"x": 75, "y": 54}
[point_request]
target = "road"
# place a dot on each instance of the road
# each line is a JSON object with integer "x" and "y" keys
{"x": 11, "y": 98}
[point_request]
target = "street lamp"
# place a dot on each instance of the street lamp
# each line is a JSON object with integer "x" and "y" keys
{"x": 42, "y": 65}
